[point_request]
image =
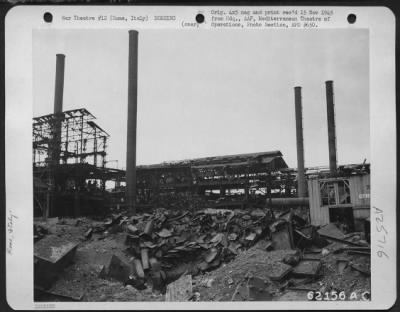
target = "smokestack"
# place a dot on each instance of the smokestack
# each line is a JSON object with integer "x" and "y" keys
{"x": 130, "y": 194}
{"x": 58, "y": 107}
{"x": 59, "y": 89}
{"x": 301, "y": 182}
{"x": 330, "y": 102}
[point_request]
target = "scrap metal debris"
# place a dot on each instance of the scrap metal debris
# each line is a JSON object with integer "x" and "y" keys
{"x": 196, "y": 242}
{"x": 227, "y": 255}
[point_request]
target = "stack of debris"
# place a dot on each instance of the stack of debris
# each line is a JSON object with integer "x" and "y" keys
{"x": 165, "y": 249}
{"x": 333, "y": 233}
{"x": 260, "y": 273}
{"x": 290, "y": 231}
{"x": 167, "y": 244}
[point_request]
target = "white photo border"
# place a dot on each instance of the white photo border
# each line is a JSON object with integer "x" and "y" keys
{"x": 19, "y": 24}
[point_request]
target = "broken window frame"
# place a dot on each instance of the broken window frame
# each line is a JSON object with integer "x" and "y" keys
{"x": 334, "y": 189}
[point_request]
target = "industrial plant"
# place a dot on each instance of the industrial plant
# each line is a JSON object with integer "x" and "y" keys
{"x": 219, "y": 228}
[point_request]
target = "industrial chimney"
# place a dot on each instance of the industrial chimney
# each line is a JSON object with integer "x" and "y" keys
{"x": 301, "y": 182}
{"x": 59, "y": 87}
{"x": 130, "y": 194}
{"x": 58, "y": 107}
{"x": 331, "y": 126}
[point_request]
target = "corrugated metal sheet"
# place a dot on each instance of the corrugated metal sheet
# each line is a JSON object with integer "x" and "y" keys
{"x": 264, "y": 157}
{"x": 316, "y": 213}
{"x": 220, "y": 165}
{"x": 360, "y": 196}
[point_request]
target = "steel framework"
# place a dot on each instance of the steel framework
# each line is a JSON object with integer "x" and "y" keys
{"x": 80, "y": 139}
{"x": 68, "y": 149}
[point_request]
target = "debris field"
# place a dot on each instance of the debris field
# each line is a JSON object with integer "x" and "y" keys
{"x": 207, "y": 255}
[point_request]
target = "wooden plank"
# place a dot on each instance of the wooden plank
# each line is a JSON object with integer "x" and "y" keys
{"x": 356, "y": 252}
{"x": 180, "y": 290}
{"x": 343, "y": 241}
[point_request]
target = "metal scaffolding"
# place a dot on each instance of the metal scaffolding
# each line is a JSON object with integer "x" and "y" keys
{"x": 81, "y": 140}
{"x": 68, "y": 149}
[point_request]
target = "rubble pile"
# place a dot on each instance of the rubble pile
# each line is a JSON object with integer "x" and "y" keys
{"x": 283, "y": 275}
{"x": 166, "y": 244}
{"x": 210, "y": 254}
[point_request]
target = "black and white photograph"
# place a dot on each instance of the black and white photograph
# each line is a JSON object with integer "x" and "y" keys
{"x": 202, "y": 165}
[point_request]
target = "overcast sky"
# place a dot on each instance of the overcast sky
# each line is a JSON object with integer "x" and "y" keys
{"x": 210, "y": 93}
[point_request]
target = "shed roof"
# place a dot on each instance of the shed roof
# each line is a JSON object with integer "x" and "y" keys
{"x": 221, "y": 161}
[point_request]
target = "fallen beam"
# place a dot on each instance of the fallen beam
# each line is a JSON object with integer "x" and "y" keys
{"x": 341, "y": 241}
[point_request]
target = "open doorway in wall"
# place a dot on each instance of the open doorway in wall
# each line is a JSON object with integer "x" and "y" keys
{"x": 343, "y": 217}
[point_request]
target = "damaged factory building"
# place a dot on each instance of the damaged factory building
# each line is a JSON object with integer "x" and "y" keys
{"x": 221, "y": 228}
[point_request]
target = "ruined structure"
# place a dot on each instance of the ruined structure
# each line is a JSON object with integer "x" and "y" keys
{"x": 76, "y": 178}
{"x": 221, "y": 173}
{"x": 341, "y": 194}
{"x": 69, "y": 165}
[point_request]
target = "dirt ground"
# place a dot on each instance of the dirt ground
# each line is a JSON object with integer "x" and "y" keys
{"x": 231, "y": 281}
